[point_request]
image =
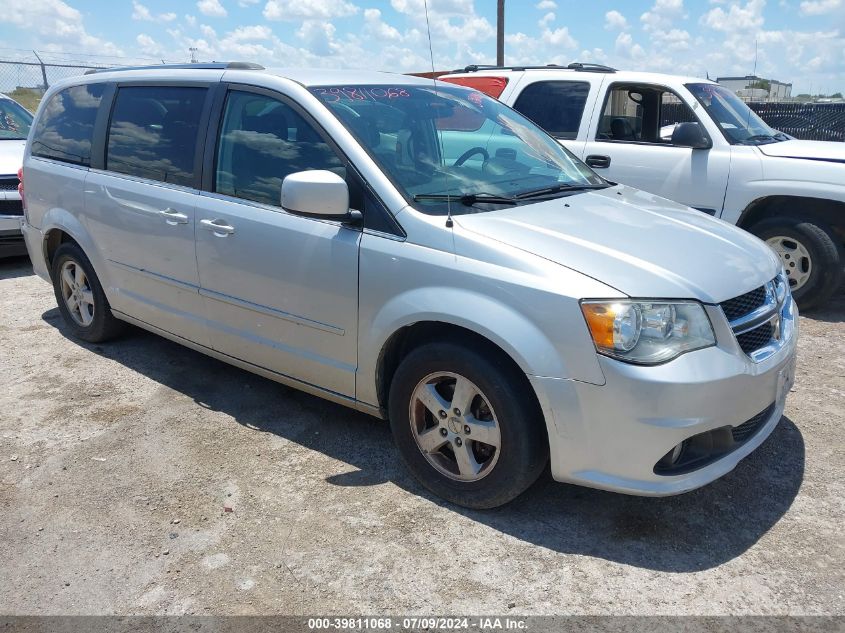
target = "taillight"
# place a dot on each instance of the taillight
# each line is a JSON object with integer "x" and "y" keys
{"x": 20, "y": 190}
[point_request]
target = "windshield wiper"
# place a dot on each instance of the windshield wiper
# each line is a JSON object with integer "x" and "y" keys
{"x": 559, "y": 188}
{"x": 759, "y": 137}
{"x": 467, "y": 199}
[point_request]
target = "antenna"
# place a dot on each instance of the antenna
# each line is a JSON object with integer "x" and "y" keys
{"x": 449, "y": 223}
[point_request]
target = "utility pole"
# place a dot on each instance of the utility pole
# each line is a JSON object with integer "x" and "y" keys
{"x": 500, "y": 33}
{"x": 193, "y": 50}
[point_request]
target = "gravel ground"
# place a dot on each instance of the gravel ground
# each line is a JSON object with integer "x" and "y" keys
{"x": 140, "y": 477}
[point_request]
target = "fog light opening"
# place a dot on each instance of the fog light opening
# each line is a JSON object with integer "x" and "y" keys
{"x": 674, "y": 456}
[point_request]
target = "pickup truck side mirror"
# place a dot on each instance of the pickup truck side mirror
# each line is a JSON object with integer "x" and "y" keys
{"x": 316, "y": 193}
{"x": 690, "y": 135}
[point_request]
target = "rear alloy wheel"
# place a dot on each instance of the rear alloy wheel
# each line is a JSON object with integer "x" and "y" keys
{"x": 467, "y": 424}
{"x": 810, "y": 253}
{"x": 80, "y": 296}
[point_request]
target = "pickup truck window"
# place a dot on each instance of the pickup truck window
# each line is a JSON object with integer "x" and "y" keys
{"x": 556, "y": 106}
{"x": 739, "y": 123}
{"x": 642, "y": 114}
{"x": 452, "y": 149}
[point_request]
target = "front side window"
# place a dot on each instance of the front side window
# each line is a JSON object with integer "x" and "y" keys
{"x": 14, "y": 120}
{"x": 262, "y": 140}
{"x": 642, "y": 114}
{"x": 153, "y": 132}
{"x": 556, "y": 106}
{"x": 739, "y": 123}
{"x": 65, "y": 127}
{"x": 453, "y": 149}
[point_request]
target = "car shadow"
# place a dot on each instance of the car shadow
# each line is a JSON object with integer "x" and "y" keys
{"x": 698, "y": 530}
{"x": 833, "y": 310}
{"x": 13, "y": 267}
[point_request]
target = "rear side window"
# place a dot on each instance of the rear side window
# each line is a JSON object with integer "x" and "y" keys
{"x": 66, "y": 125}
{"x": 556, "y": 106}
{"x": 153, "y": 132}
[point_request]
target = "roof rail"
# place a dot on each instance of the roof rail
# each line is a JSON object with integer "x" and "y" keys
{"x": 577, "y": 66}
{"x": 208, "y": 66}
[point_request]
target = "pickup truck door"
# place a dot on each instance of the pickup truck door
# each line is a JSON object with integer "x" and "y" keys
{"x": 632, "y": 140}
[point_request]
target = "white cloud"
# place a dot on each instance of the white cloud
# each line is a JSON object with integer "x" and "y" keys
{"x": 212, "y": 8}
{"x": 140, "y": 12}
{"x": 546, "y": 19}
{"x": 57, "y": 25}
{"x": 820, "y": 7}
{"x": 663, "y": 14}
{"x": 379, "y": 29}
{"x": 738, "y": 17}
{"x": 546, "y": 5}
{"x": 615, "y": 21}
{"x": 308, "y": 9}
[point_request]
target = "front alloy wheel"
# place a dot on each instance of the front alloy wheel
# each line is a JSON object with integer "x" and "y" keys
{"x": 467, "y": 423}
{"x": 454, "y": 426}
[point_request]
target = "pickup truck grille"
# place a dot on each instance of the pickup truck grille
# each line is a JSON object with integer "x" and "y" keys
{"x": 8, "y": 183}
{"x": 754, "y": 318}
{"x": 11, "y": 207}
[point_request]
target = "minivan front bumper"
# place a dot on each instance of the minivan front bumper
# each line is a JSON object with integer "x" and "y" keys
{"x": 613, "y": 436}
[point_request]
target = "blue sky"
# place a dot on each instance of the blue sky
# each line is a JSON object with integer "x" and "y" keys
{"x": 798, "y": 41}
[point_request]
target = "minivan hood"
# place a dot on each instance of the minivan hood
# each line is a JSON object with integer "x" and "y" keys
{"x": 810, "y": 150}
{"x": 642, "y": 245}
{"x": 11, "y": 156}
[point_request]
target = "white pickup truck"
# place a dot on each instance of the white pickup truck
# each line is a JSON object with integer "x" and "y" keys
{"x": 695, "y": 142}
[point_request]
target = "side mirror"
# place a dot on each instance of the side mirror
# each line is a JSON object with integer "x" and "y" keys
{"x": 690, "y": 135}
{"x": 316, "y": 193}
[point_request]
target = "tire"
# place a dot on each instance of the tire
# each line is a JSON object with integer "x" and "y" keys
{"x": 503, "y": 401}
{"x": 805, "y": 245}
{"x": 80, "y": 297}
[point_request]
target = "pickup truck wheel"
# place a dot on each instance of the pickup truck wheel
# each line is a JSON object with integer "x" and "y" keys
{"x": 810, "y": 253}
{"x": 80, "y": 296}
{"x": 466, "y": 425}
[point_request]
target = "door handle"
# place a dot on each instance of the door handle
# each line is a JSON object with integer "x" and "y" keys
{"x": 598, "y": 161}
{"x": 173, "y": 217}
{"x": 218, "y": 227}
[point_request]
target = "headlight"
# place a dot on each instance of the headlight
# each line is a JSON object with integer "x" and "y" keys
{"x": 647, "y": 332}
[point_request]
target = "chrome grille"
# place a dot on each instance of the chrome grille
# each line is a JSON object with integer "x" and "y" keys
{"x": 743, "y": 304}
{"x": 754, "y": 339}
{"x": 755, "y": 319}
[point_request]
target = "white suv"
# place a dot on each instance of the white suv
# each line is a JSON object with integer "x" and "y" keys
{"x": 14, "y": 127}
{"x": 695, "y": 142}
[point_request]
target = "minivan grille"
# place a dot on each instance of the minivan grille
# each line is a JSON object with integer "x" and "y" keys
{"x": 743, "y": 304}
{"x": 754, "y": 339}
{"x": 748, "y": 428}
{"x": 9, "y": 184}
{"x": 737, "y": 309}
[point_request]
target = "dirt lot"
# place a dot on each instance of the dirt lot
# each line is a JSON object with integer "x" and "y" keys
{"x": 117, "y": 464}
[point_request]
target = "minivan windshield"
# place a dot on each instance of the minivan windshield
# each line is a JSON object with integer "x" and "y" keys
{"x": 14, "y": 120}
{"x": 453, "y": 149}
{"x": 739, "y": 123}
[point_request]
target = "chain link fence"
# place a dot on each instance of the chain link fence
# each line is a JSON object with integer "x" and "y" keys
{"x": 26, "y": 81}
{"x": 806, "y": 121}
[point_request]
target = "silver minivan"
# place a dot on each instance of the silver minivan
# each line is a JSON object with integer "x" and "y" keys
{"x": 423, "y": 253}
